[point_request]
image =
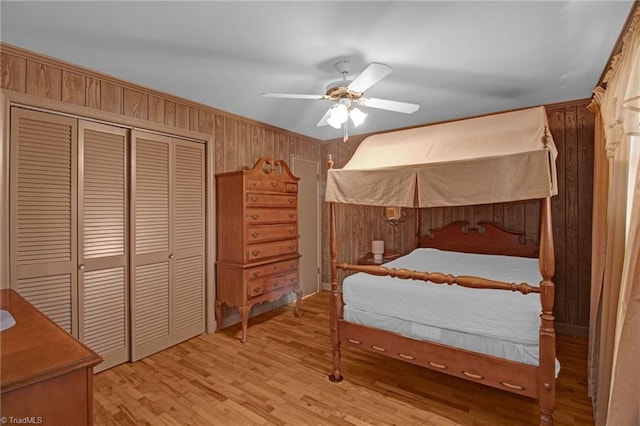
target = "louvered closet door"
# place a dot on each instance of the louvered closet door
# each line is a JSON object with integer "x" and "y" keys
{"x": 189, "y": 233}
{"x": 43, "y": 187}
{"x": 151, "y": 266}
{"x": 102, "y": 242}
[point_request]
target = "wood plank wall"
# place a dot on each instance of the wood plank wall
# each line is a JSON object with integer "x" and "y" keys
{"x": 571, "y": 125}
{"x": 239, "y": 142}
{"x": 64, "y": 87}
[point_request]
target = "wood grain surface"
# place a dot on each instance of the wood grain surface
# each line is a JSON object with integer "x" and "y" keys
{"x": 239, "y": 142}
{"x": 279, "y": 377}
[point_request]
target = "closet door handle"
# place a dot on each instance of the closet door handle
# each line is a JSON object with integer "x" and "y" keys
{"x": 171, "y": 256}
{"x": 82, "y": 266}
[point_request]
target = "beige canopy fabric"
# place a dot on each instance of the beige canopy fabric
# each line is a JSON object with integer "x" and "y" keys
{"x": 490, "y": 159}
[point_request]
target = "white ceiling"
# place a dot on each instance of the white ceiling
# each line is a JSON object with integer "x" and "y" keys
{"x": 455, "y": 59}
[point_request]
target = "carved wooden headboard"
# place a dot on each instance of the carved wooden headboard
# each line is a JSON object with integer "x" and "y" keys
{"x": 485, "y": 238}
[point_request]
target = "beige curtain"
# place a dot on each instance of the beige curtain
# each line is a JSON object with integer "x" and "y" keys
{"x": 624, "y": 398}
{"x": 598, "y": 242}
{"x": 614, "y": 346}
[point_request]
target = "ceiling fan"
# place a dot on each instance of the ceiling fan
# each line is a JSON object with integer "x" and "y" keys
{"x": 348, "y": 93}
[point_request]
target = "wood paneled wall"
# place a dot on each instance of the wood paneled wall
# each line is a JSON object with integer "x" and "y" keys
{"x": 239, "y": 142}
{"x": 29, "y": 78}
{"x": 572, "y": 127}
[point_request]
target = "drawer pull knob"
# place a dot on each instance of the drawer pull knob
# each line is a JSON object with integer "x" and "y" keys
{"x": 255, "y": 216}
{"x": 255, "y": 253}
{"x": 291, "y": 215}
{"x": 255, "y": 198}
{"x": 256, "y": 290}
{"x": 292, "y": 246}
{"x": 292, "y": 266}
{"x": 274, "y": 184}
{"x": 291, "y": 232}
{"x": 436, "y": 365}
{"x": 292, "y": 200}
{"x": 473, "y": 376}
{"x": 378, "y": 348}
{"x": 406, "y": 356}
{"x": 256, "y": 273}
{"x": 275, "y": 284}
{"x": 511, "y": 386}
{"x": 255, "y": 234}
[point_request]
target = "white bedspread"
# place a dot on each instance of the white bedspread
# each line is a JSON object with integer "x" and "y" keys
{"x": 496, "y": 314}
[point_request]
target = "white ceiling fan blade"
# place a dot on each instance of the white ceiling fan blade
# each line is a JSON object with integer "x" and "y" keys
{"x": 370, "y": 76}
{"x": 293, "y": 96}
{"x": 396, "y": 106}
{"x": 325, "y": 117}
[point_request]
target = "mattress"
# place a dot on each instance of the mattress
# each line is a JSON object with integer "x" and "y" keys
{"x": 493, "y": 322}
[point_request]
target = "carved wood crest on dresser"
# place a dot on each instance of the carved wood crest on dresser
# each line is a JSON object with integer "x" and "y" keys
{"x": 257, "y": 238}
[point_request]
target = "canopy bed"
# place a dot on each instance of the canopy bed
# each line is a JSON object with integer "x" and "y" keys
{"x": 495, "y": 325}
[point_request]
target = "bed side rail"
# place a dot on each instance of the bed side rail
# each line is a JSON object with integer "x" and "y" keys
{"x": 440, "y": 278}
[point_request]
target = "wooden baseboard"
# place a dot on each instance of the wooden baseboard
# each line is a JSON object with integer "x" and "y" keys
{"x": 571, "y": 330}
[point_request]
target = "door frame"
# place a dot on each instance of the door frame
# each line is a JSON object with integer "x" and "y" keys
{"x": 318, "y": 226}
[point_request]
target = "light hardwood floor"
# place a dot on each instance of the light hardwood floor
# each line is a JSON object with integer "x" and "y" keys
{"x": 279, "y": 377}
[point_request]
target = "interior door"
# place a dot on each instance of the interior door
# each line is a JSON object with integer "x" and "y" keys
{"x": 151, "y": 266}
{"x": 43, "y": 213}
{"x": 308, "y": 223}
{"x": 102, "y": 242}
{"x": 189, "y": 230}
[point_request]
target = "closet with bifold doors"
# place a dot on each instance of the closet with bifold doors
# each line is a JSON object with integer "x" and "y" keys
{"x": 77, "y": 221}
{"x": 168, "y": 232}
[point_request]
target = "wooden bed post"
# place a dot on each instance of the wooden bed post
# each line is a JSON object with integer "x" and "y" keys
{"x": 335, "y": 301}
{"x": 547, "y": 345}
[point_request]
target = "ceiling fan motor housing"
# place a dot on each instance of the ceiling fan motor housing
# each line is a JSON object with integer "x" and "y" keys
{"x": 338, "y": 90}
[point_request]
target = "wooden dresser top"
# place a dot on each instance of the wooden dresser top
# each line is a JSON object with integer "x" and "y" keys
{"x": 35, "y": 348}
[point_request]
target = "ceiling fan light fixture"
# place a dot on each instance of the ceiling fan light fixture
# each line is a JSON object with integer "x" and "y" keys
{"x": 339, "y": 114}
{"x": 334, "y": 123}
{"x": 357, "y": 116}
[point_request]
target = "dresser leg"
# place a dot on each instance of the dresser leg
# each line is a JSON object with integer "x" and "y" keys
{"x": 244, "y": 313}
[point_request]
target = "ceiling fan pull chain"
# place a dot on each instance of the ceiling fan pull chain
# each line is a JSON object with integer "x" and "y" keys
{"x": 346, "y": 131}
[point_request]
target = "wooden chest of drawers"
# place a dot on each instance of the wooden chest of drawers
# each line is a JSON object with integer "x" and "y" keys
{"x": 257, "y": 238}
